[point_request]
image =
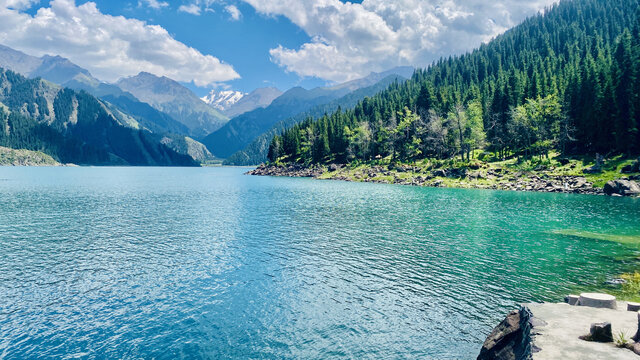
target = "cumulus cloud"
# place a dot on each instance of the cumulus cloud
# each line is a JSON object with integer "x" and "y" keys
{"x": 234, "y": 12}
{"x": 155, "y": 4}
{"x": 109, "y": 46}
{"x": 349, "y": 40}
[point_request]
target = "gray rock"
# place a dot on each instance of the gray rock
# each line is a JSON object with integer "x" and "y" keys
{"x": 596, "y": 300}
{"x": 615, "y": 282}
{"x": 632, "y": 306}
{"x": 600, "y": 332}
{"x": 622, "y": 187}
{"x": 440, "y": 173}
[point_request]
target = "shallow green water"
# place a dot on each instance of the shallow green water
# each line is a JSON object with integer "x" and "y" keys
{"x": 209, "y": 263}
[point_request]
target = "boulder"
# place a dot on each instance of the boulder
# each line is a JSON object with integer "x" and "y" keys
{"x": 597, "y": 300}
{"x": 510, "y": 340}
{"x": 601, "y": 332}
{"x": 615, "y": 282}
{"x": 622, "y": 187}
{"x": 632, "y": 306}
{"x": 440, "y": 173}
{"x": 333, "y": 167}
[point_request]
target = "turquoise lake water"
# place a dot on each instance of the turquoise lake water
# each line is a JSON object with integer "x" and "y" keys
{"x": 207, "y": 263}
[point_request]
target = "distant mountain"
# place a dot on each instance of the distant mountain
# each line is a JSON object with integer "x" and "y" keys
{"x": 256, "y": 152}
{"x": 233, "y": 103}
{"x": 243, "y": 129}
{"x": 125, "y": 107}
{"x": 73, "y": 127}
{"x": 374, "y": 77}
{"x": 222, "y": 99}
{"x": 18, "y": 61}
{"x": 174, "y": 99}
{"x": 58, "y": 70}
{"x": 258, "y": 98}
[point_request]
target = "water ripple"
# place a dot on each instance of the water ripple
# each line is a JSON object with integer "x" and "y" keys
{"x": 207, "y": 263}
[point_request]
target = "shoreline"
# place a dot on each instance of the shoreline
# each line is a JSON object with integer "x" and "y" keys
{"x": 476, "y": 176}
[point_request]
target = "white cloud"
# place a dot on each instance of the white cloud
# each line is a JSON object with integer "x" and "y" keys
{"x": 234, "y": 12}
{"x": 192, "y": 9}
{"x": 17, "y": 4}
{"x": 196, "y": 7}
{"x": 108, "y": 46}
{"x": 350, "y": 40}
{"x": 155, "y": 4}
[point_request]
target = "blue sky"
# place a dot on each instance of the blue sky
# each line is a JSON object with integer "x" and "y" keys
{"x": 245, "y": 44}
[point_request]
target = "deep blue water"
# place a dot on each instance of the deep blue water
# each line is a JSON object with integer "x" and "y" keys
{"x": 206, "y": 263}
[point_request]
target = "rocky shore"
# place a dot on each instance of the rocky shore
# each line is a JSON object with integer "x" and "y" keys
{"x": 474, "y": 176}
{"x": 584, "y": 330}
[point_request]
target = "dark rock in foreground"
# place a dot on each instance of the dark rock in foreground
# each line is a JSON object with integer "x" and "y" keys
{"x": 511, "y": 339}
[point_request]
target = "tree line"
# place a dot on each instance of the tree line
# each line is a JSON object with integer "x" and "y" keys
{"x": 567, "y": 80}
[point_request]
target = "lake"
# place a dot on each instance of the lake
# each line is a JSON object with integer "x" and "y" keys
{"x": 207, "y": 263}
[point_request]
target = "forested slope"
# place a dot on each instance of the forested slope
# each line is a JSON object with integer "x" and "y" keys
{"x": 566, "y": 80}
{"x": 73, "y": 127}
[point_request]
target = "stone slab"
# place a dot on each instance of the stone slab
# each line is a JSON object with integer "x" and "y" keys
{"x": 558, "y": 339}
{"x": 597, "y": 300}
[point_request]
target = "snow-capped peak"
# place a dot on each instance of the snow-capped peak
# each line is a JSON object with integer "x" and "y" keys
{"x": 223, "y": 99}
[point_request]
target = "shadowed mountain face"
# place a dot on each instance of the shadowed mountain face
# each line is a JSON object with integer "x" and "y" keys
{"x": 73, "y": 127}
{"x": 174, "y": 99}
{"x": 242, "y": 130}
{"x": 125, "y": 107}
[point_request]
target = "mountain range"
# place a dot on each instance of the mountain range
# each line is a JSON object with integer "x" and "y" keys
{"x": 243, "y": 129}
{"x": 173, "y": 117}
{"x": 256, "y": 151}
{"x": 74, "y": 127}
{"x": 175, "y": 100}
{"x": 234, "y": 103}
{"x": 125, "y": 107}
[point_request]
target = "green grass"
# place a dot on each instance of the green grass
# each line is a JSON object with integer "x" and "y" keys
{"x": 10, "y": 156}
{"x": 630, "y": 291}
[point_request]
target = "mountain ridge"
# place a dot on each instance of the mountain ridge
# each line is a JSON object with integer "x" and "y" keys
{"x": 170, "y": 97}
{"x": 73, "y": 127}
{"x": 243, "y": 129}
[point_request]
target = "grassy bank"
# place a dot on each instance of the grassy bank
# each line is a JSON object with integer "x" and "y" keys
{"x": 532, "y": 175}
{"x": 12, "y": 157}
